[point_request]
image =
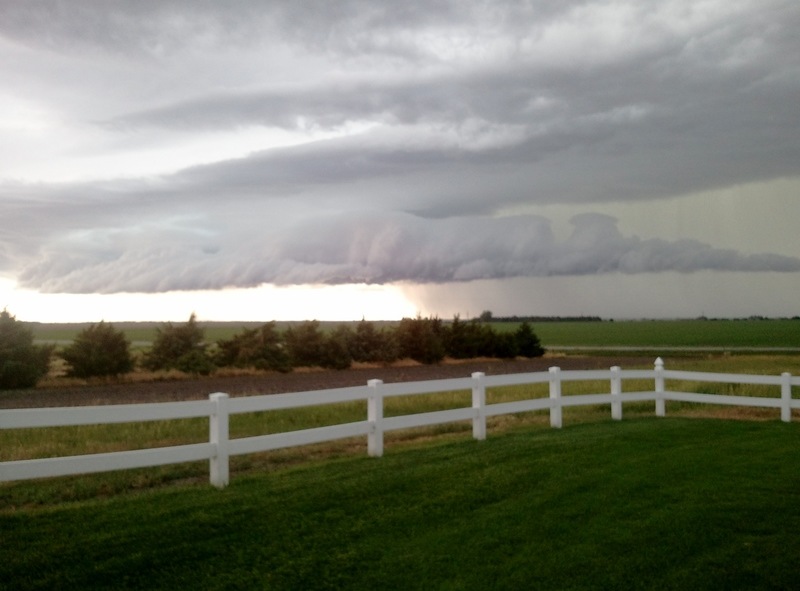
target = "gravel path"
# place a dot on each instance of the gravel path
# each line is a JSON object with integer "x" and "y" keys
{"x": 274, "y": 383}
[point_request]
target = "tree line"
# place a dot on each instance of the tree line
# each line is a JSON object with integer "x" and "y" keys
{"x": 101, "y": 350}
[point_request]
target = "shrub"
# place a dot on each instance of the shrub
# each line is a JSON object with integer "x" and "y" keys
{"x": 467, "y": 340}
{"x": 420, "y": 339}
{"x": 22, "y": 364}
{"x": 179, "y": 347}
{"x": 505, "y": 345}
{"x": 99, "y": 350}
{"x": 528, "y": 344}
{"x": 305, "y": 343}
{"x": 370, "y": 345}
{"x": 261, "y": 348}
{"x": 335, "y": 352}
{"x": 308, "y": 346}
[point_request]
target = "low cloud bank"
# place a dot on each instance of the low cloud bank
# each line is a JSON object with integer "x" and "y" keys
{"x": 374, "y": 248}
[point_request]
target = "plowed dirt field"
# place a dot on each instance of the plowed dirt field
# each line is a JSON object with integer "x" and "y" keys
{"x": 298, "y": 381}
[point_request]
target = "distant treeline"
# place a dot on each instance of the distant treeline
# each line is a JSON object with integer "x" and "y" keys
{"x": 533, "y": 319}
{"x": 104, "y": 350}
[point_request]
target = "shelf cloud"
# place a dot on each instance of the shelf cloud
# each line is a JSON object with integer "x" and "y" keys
{"x": 175, "y": 145}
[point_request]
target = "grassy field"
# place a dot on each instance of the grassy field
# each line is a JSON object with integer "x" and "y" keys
{"x": 631, "y": 333}
{"x": 669, "y": 333}
{"x": 145, "y": 332}
{"x": 642, "y": 504}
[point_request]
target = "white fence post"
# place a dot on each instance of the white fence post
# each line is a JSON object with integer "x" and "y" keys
{"x": 555, "y": 397}
{"x": 375, "y": 418}
{"x": 479, "y": 404}
{"x": 786, "y": 397}
{"x": 219, "y": 464}
{"x": 616, "y": 392}
{"x": 661, "y": 407}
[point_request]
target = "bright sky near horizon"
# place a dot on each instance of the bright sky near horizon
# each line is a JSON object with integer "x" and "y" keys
{"x": 339, "y": 160}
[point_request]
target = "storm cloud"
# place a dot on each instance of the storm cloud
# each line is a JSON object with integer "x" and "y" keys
{"x": 371, "y": 249}
{"x": 156, "y": 146}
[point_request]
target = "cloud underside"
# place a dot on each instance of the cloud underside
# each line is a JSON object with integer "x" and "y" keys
{"x": 379, "y": 142}
{"x": 379, "y": 250}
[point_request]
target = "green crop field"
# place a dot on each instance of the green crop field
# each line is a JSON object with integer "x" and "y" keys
{"x": 783, "y": 333}
{"x": 668, "y": 333}
{"x": 143, "y": 333}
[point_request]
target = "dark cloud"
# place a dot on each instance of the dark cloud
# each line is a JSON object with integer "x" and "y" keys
{"x": 658, "y": 115}
{"x": 415, "y": 126}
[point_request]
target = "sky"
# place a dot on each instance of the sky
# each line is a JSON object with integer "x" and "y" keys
{"x": 349, "y": 159}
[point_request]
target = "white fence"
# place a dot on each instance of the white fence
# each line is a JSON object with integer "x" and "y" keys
{"x": 219, "y": 407}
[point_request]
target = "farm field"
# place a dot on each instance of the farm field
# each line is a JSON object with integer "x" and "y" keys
{"x": 646, "y": 503}
{"x": 733, "y": 334}
{"x": 738, "y": 334}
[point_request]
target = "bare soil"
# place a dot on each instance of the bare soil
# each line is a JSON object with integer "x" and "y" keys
{"x": 298, "y": 381}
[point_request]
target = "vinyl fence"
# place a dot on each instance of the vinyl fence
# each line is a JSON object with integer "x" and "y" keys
{"x": 219, "y": 407}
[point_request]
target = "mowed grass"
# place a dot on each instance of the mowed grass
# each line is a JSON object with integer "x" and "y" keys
{"x": 19, "y": 444}
{"x": 643, "y": 504}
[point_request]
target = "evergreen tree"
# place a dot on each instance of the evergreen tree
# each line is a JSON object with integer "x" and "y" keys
{"x": 528, "y": 344}
{"x": 99, "y": 350}
{"x": 305, "y": 344}
{"x": 505, "y": 345}
{"x": 22, "y": 364}
{"x": 261, "y": 348}
{"x": 370, "y": 345}
{"x": 467, "y": 340}
{"x": 421, "y": 339}
{"x": 180, "y": 347}
{"x": 336, "y": 353}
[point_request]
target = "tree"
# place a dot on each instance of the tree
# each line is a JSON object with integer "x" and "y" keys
{"x": 180, "y": 347}
{"x": 505, "y": 345}
{"x": 528, "y": 344}
{"x": 467, "y": 340}
{"x": 370, "y": 345}
{"x": 262, "y": 348}
{"x": 22, "y": 364}
{"x": 420, "y": 339}
{"x": 336, "y": 352}
{"x": 308, "y": 346}
{"x": 99, "y": 350}
{"x": 305, "y": 344}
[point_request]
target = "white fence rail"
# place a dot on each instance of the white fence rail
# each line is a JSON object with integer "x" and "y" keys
{"x": 219, "y": 407}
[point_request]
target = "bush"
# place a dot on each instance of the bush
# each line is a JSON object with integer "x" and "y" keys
{"x": 336, "y": 351}
{"x": 370, "y": 345}
{"x": 467, "y": 340}
{"x": 528, "y": 344}
{"x": 261, "y": 348}
{"x": 305, "y": 343}
{"x": 179, "y": 347}
{"x": 22, "y": 364}
{"x": 505, "y": 346}
{"x": 420, "y": 339}
{"x": 99, "y": 350}
{"x": 308, "y": 346}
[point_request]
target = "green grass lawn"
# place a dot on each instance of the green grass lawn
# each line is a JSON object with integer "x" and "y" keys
{"x": 641, "y": 504}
